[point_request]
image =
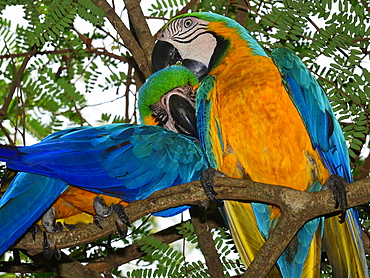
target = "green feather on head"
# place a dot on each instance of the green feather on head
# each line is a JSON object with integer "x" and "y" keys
{"x": 160, "y": 83}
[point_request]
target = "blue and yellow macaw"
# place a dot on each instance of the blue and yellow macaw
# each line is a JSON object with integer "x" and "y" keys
{"x": 266, "y": 119}
{"x": 126, "y": 161}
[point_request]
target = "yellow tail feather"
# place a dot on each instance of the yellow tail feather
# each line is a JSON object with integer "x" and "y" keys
{"x": 249, "y": 242}
{"x": 311, "y": 268}
{"x": 342, "y": 247}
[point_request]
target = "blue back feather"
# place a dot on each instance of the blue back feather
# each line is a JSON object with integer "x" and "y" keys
{"x": 121, "y": 157}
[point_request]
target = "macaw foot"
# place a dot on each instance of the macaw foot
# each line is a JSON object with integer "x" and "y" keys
{"x": 34, "y": 229}
{"x": 207, "y": 180}
{"x": 48, "y": 251}
{"x": 336, "y": 184}
{"x": 103, "y": 211}
{"x": 48, "y": 221}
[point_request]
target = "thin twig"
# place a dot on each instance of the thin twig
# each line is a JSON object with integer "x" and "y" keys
{"x": 15, "y": 84}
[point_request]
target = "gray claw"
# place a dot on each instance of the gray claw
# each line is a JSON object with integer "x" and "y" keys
{"x": 47, "y": 251}
{"x": 48, "y": 221}
{"x": 120, "y": 210}
{"x": 33, "y": 230}
{"x": 207, "y": 180}
{"x": 336, "y": 184}
{"x": 103, "y": 211}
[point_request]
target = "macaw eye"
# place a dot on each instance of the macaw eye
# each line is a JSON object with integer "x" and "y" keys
{"x": 188, "y": 23}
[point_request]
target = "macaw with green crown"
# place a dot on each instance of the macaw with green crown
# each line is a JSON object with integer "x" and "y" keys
{"x": 123, "y": 162}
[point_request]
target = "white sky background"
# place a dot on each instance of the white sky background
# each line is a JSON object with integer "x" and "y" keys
{"x": 92, "y": 114}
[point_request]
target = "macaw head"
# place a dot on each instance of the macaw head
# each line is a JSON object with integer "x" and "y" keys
{"x": 167, "y": 99}
{"x": 199, "y": 41}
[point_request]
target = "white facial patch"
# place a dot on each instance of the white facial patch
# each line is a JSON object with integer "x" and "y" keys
{"x": 190, "y": 37}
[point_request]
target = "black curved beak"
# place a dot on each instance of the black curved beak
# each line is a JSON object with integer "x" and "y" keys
{"x": 164, "y": 54}
{"x": 199, "y": 69}
{"x": 183, "y": 114}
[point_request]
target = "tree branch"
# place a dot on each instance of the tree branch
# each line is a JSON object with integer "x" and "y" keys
{"x": 132, "y": 252}
{"x": 306, "y": 205}
{"x": 67, "y": 267}
{"x": 141, "y": 28}
{"x": 286, "y": 228}
{"x": 365, "y": 169}
{"x": 119, "y": 256}
{"x": 125, "y": 34}
{"x": 241, "y": 14}
{"x": 199, "y": 220}
{"x": 97, "y": 51}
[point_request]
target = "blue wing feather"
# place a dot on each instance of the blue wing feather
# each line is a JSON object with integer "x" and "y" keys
{"x": 28, "y": 196}
{"x": 327, "y": 137}
{"x": 113, "y": 159}
{"x": 203, "y": 110}
{"x": 316, "y": 112}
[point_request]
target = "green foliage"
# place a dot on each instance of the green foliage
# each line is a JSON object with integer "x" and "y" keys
{"x": 169, "y": 8}
{"x": 219, "y": 6}
{"x": 8, "y": 36}
{"x": 91, "y": 13}
{"x": 187, "y": 231}
{"x": 50, "y": 19}
{"x": 57, "y": 18}
{"x": 228, "y": 253}
{"x": 109, "y": 118}
{"x": 8, "y": 275}
{"x": 114, "y": 80}
{"x": 170, "y": 262}
{"x": 49, "y": 97}
{"x": 166, "y": 8}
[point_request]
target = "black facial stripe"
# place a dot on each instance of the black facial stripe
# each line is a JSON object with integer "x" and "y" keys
{"x": 219, "y": 51}
{"x": 174, "y": 28}
{"x": 189, "y": 33}
{"x": 159, "y": 114}
{"x": 181, "y": 40}
{"x": 177, "y": 28}
{"x": 194, "y": 26}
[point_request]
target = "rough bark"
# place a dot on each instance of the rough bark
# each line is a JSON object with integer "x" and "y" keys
{"x": 292, "y": 203}
{"x": 126, "y": 36}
